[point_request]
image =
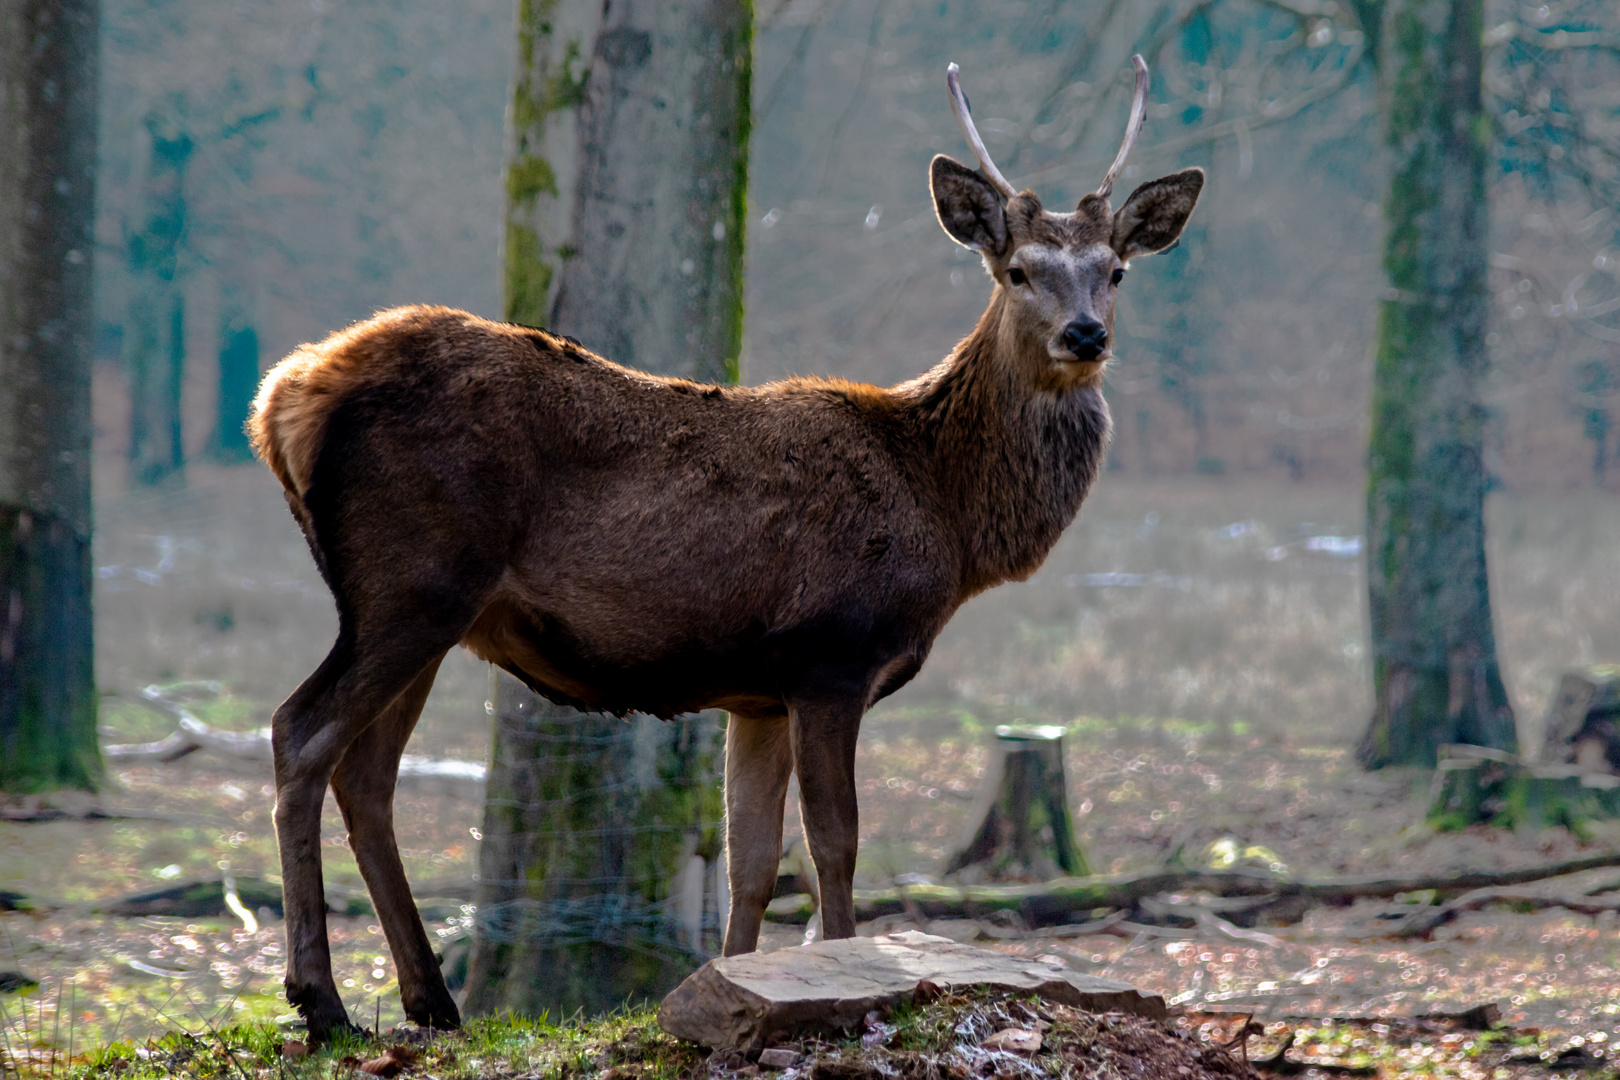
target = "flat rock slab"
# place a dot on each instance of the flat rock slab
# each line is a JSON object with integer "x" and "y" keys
{"x": 740, "y": 1001}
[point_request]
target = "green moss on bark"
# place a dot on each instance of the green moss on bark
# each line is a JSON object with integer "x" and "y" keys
{"x": 528, "y": 277}
{"x": 588, "y": 825}
{"x": 1435, "y": 674}
{"x": 47, "y": 676}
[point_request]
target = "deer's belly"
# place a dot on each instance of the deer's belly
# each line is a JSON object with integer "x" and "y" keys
{"x": 749, "y": 670}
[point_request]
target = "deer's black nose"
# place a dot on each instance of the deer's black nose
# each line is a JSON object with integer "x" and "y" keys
{"x": 1086, "y": 338}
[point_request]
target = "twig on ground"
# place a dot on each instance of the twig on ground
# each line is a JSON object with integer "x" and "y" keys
{"x": 1241, "y": 1038}
{"x": 1426, "y": 920}
{"x": 453, "y": 777}
{"x": 1138, "y": 931}
{"x": 1211, "y": 921}
{"x": 1104, "y": 925}
{"x": 1607, "y": 885}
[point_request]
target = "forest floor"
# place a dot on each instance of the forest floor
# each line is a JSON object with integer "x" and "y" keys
{"x": 1222, "y": 607}
{"x": 104, "y": 979}
{"x": 954, "y": 1038}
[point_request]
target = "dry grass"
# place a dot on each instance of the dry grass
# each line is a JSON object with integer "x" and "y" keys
{"x": 1220, "y": 611}
{"x": 1234, "y": 619}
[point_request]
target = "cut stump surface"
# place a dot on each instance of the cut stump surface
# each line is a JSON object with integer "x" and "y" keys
{"x": 741, "y": 1001}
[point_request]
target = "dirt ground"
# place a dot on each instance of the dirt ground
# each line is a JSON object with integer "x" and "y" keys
{"x": 1314, "y": 813}
{"x": 1208, "y": 679}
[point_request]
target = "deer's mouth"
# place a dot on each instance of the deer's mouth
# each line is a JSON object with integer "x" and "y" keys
{"x": 1070, "y": 362}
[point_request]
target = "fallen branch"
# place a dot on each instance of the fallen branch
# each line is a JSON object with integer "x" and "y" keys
{"x": 1424, "y": 921}
{"x": 1213, "y": 922}
{"x": 464, "y": 778}
{"x": 1056, "y": 902}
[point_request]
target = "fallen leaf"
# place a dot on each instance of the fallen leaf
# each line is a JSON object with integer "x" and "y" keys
{"x": 393, "y": 1061}
{"x": 1014, "y": 1040}
{"x": 292, "y": 1050}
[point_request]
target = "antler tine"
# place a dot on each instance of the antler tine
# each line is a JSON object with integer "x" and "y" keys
{"x": 964, "y": 120}
{"x": 1133, "y": 127}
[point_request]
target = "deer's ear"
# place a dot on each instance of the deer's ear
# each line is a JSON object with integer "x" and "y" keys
{"x": 969, "y": 208}
{"x": 1153, "y": 217}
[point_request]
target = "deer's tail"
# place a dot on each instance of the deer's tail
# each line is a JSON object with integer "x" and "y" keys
{"x": 288, "y": 424}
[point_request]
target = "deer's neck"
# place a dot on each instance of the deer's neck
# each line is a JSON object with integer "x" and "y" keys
{"x": 1012, "y": 462}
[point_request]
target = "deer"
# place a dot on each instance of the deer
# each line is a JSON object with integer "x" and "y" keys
{"x": 625, "y": 542}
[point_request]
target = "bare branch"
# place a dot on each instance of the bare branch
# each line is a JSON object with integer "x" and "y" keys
{"x": 1133, "y": 126}
{"x": 1272, "y": 114}
{"x": 1551, "y": 40}
{"x": 964, "y": 120}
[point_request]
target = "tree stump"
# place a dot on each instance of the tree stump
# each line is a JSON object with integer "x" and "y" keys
{"x": 1583, "y": 724}
{"x": 1020, "y": 828}
{"x": 1477, "y": 783}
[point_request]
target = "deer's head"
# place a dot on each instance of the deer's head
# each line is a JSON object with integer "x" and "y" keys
{"x": 1058, "y": 274}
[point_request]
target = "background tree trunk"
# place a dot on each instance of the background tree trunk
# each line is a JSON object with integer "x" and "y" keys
{"x": 238, "y": 374}
{"x": 1435, "y": 673}
{"x": 48, "y": 55}
{"x": 155, "y": 338}
{"x": 601, "y": 866}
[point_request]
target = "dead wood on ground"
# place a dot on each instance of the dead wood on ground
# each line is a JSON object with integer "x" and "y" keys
{"x": 1276, "y": 898}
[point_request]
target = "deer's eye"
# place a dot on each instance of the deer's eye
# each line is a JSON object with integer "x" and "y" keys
{"x": 1017, "y": 276}
{"x": 1119, "y": 275}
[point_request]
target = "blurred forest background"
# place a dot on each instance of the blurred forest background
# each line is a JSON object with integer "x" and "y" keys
{"x": 270, "y": 172}
{"x": 283, "y": 169}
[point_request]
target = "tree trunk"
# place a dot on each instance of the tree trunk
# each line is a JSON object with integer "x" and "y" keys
{"x": 1435, "y": 673}
{"x": 48, "y": 55}
{"x": 155, "y": 336}
{"x": 601, "y": 872}
{"x": 238, "y": 381}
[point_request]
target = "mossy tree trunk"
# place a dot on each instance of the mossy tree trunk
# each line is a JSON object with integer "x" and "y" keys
{"x": 1435, "y": 674}
{"x": 48, "y": 54}
{"x": 601, "y": 867}
{"x": 154, "y": 337}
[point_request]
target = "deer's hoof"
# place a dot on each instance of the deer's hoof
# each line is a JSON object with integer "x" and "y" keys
{"x": 325, "y": 1019}
{"x": 437, "y": 1011}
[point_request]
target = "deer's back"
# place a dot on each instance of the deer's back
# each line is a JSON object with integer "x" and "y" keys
{"x": 634, "y": 542}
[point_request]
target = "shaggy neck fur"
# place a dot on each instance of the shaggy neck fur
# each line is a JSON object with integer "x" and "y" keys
{"x": 1013, "y": 458}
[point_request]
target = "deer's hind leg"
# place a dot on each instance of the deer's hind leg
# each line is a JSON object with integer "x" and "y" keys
{"x": 360, "y": 678}
{"x": 364, "y": 786}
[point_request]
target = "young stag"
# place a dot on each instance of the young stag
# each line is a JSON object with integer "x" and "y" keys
{"x": 621, "y": 542}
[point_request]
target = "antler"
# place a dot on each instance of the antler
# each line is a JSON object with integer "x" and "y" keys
{"x": 964, "y": 120}
{"x": 1133, "y": 127}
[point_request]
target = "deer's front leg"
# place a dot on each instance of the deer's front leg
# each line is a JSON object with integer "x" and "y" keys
{"x": 759, "y": 759}
{"x": 824, "y": 734}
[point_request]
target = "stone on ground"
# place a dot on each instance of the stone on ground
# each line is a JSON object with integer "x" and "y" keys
{"x": 743, "y": 1001}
